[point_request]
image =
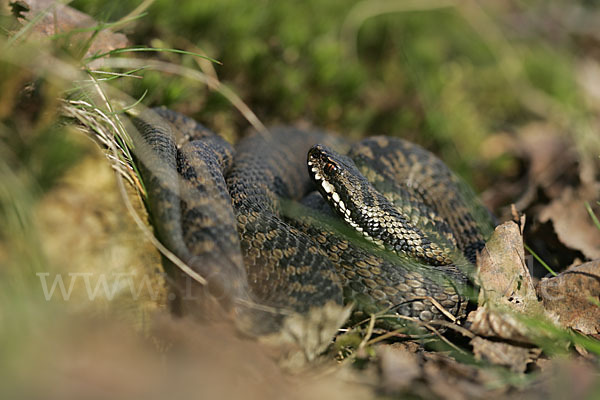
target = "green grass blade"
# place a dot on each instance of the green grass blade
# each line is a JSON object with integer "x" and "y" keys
{"x": 540, "y": 261}
{"x": 117, "y": 75}
{"x": 149, "y": 49}
{"x": 591, "y": 212}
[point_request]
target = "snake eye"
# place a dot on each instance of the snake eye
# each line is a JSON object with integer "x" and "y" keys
{"x": 330, "y": 167}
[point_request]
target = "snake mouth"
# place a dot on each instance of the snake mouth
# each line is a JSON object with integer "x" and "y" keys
{"x": 328, "y": 189}
{"x": 320, "y": 167}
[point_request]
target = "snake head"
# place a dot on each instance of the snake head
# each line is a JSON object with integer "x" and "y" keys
{"x": 337, "y": 178}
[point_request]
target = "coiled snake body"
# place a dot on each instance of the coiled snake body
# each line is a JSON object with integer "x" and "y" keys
{"x": 400, "y": 232}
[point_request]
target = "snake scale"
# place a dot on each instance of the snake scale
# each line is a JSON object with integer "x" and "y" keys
{"x": 381, "y": 223}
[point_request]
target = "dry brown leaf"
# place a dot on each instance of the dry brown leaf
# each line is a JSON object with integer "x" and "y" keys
{"x": 506, "y": 285}
{"x": 550, "y": 159}
{"x": 61, "y": 18}
{"x": 572, "y": 222}
{"x": 449, "y": 379}
{"x": 303, "y": 337}
{"x": 505, "y": 354}
{"x": 502, "y": 271}
{"x": 549, "y": 154}
{"x": 432, "y": 375}
{"x": 498, "y": 324}
{"x": 562, "y": 379}
{"x": 572, "y": 297}
{"x": 399, "y": 368}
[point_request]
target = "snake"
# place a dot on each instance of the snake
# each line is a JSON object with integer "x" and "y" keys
{"x": 293, "y": 219}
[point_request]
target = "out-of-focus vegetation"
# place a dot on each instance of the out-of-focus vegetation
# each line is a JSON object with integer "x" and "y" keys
{"x": 444, "y": 74}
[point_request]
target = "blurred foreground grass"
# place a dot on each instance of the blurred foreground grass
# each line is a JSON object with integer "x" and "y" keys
{"x": 447, "y": 76}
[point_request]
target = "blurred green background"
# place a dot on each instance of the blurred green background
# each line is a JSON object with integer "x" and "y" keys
{"x": 442, "y": 74}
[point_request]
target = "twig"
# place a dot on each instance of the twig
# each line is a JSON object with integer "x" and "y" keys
{"x": 440, "y": 307}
